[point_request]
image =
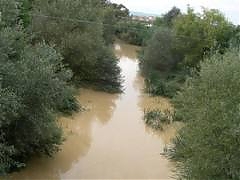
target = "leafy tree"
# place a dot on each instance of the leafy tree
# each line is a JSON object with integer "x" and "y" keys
{"x": 235, "y": 41}
{"x": 113, "y": 14}
{"x": 78, "y": 35}
{"x": 121, "y": 10}
{"x": 25, "y": 9}
{"x": 10, "y": 106}
{"x": 208, "y": 145}
{"x": 159, "y": 63}
{"x": 170, "y": 55}
{"x": 201, "y": 33}
{"x": 160, "y": 53}
{"x": 167, "y": 19}
{"x": 158, "y": 21}
{"x": 133, "y": 32}
{"x": 35, "y": 83}
{"x": 33, "y": 90}
{"x": 9, "y": 12}
{"x": 170, "y": 16}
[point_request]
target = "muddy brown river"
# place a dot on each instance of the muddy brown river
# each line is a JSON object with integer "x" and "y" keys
{"x": 110, "y": 140}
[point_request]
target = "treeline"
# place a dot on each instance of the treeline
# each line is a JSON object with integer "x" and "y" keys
{"x": 46, "y": 49}
{"x": 179, "y": 43}
{"x": 194, "y": 59}
{"x": 133, "y": 32}
{"x": 119, "y": 23}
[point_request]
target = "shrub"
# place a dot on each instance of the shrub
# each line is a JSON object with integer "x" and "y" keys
{"x": 78, "y": 35}
{"x": 157, "y": 119}
{"x": 33, "y": 87}
{"x": 208, "y": 146}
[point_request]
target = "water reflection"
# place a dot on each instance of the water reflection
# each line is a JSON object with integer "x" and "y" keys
{"x": 167, "y": 134}
{"x": 78, "y": 132}
{"x": 126, "y": 51}
{"x": 99, "y": 104}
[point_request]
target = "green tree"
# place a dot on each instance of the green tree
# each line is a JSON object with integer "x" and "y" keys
{"x": 25, "y": 7}
{"x": 201, "y": 33}
{"x": 36, "y": 85}
{"x": 9, "y": 12}
{"x": 133, "y": 32}
{"x": 78, "y": 35}
{"x": 167, "y": 20}
{"x": 113, "y": 14}
{"x": 171, "y": 15}
{"x": 160, "y": 53}
{"x": 33, "y": 90}
{"x": 170, "y": 55}
{"x": 208, "y": 145}
{"x": 159, "y": 63}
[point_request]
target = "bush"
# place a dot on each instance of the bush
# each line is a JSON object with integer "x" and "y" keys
{"x": 165, "y": 84}
{"x": 160, "y": 53}
{"x": 78, "y": 34}
{"x": 159, "y": 64}
{"x": 180, "y": 44}
{"x": 157, "y": 119}
{"x": 33, "y": 89}
{"x": 208, "y": 146}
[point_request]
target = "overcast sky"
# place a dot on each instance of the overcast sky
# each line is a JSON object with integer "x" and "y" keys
{"x": 230, "y": 8}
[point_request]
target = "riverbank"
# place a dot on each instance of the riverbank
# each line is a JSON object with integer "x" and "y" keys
{"x": 110, "y": 138}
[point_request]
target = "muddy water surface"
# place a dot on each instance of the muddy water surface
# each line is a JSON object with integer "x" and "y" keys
{"x": 110, "y": 140}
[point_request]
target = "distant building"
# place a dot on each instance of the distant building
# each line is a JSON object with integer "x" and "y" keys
{"x": 148, "y": 19}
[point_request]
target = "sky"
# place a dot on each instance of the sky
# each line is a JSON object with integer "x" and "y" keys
{"x": 231, "y": 8}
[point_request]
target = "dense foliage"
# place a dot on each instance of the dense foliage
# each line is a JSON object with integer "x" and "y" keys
{"x": 167, "y": 20}
{"x": 33, "y": 89}
{"x": 44, "y": 47}
{"x": 157, "y": 119}
{"x": 113, "y": 15}
{"x": 200, "y": 33}
{"x": 208, "y": 145}
{"x": 203, "y": 47}
{"x": 78, "y": 34}
{"x": 133, "y": 32}
{"x": 118, "y": 22}
{"x": 179, "y": 43}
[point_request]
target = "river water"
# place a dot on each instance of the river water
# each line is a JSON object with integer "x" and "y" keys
{"x": 110, "y": 140}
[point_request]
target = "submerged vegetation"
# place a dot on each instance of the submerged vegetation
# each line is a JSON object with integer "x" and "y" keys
{"x": 157, "y": 119}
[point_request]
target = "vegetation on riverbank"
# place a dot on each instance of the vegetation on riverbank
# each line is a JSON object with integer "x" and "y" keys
{"x": 78, "y": 34}
{"x": 194, "y": 59}
{"x": 179, "y": 44}
{"x": 33, "y": 89}
{"x": 133, "y": 32}
{"x": 157, "y": 118}
{"x": 47, "y": 48}
{"x": 207, "y": 147}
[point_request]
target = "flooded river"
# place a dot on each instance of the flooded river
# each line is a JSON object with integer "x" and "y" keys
{"x": 109, "y": 140}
